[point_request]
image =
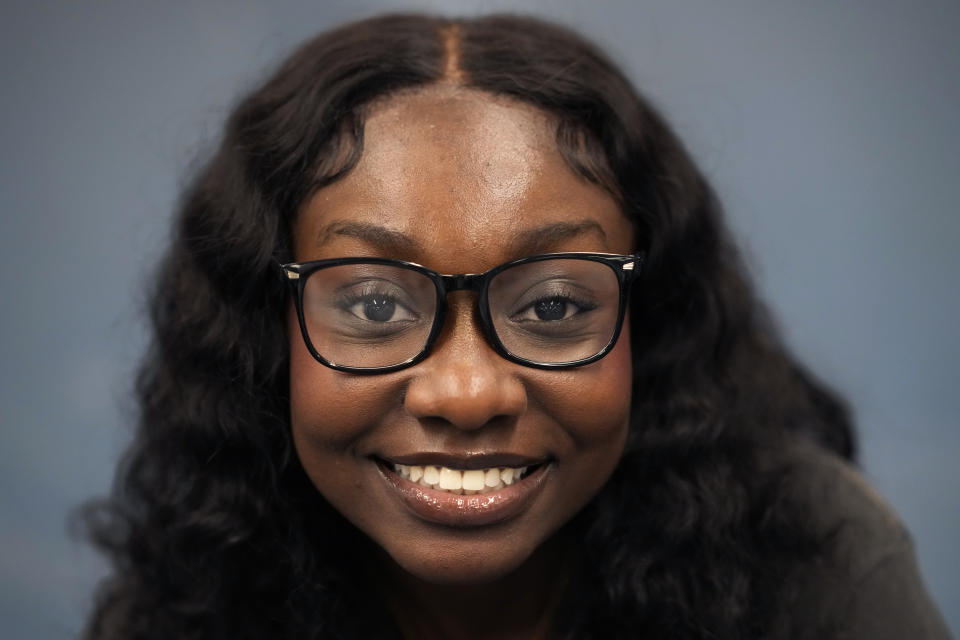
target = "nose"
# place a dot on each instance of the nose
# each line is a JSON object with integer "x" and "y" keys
{"x": 463, "y": 382}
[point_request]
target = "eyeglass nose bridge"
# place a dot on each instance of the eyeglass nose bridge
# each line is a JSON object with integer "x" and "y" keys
{"x": 476, "y": 283}
{"x": 462, "y": 282}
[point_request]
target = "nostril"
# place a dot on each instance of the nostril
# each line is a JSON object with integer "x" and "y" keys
{"x": 465, "y": 402}
{"x": 464, "y": 382}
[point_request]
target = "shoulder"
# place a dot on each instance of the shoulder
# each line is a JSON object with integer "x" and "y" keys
{"x": 842, "y": 505}
{"x": 868, "y": 579}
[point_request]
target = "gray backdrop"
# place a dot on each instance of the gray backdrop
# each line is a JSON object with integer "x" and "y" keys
{"x": 830, "y": 130}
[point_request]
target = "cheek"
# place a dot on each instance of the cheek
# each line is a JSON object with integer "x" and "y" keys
{"x": 331, "y": 414}
{"x": 591, "y": 408}
{"x": 330, "y": 410}
{"x": 593, "y": 403}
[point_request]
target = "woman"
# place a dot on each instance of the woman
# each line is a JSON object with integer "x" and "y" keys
{"x": 337, "y": 442}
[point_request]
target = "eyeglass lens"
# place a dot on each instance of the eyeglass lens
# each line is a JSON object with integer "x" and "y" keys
{"x": 555, "y": 310}
{"x": 374, "y": 315}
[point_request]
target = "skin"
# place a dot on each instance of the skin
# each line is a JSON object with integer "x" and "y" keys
{"x": 470, "y": 181}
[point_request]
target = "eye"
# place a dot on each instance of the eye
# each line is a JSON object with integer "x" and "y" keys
{"x": 378, "y": 307}
{"x": 552, "y": 309}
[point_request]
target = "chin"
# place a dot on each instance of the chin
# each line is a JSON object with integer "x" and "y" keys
{"x": 462, "y": 564}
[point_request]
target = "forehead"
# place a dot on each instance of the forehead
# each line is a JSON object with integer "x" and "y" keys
{"x": 461, "y": 173}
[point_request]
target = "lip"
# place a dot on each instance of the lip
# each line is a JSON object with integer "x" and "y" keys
{"x": 478, "y": 460}
{"x": 453, "y": 510}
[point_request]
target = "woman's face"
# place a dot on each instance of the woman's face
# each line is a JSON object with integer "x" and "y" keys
{"x": 459, "y": 181}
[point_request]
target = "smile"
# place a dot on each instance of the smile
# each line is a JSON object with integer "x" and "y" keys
{"x": 462, "y": 497}
{"x": 461, "y": 482}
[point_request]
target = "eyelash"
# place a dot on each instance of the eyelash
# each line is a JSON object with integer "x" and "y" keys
{"x": 353, "y": 297}
{"x": 564, "y": 296}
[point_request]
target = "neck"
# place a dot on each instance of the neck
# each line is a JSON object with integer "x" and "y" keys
{"x": 518, "y": 605}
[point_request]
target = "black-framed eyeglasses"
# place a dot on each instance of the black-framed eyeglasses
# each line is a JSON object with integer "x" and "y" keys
{"x": 374, "y": 315}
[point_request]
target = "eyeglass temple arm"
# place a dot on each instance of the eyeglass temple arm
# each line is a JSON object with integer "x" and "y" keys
{"x": 635, "y": 263}
{"x": 289, "y": 271}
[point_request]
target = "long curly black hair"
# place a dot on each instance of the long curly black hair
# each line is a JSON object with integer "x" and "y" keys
{"x": 215, "y": 531}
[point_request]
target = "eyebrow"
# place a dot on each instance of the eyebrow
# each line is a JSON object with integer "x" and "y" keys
{"x": 383, "y": 238}
{"x": 547, "y": 238}
{"x": 529, "y": 242}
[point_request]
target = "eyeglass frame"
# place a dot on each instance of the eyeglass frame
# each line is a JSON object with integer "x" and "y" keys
{"x": 626, "y": 267}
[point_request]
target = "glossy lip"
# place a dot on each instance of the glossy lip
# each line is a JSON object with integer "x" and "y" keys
{"x": 477, "y": 460}
{"x": 477, "y": 510}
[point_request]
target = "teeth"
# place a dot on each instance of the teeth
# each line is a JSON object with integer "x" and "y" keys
{"x": 473, "y": 480}
{"x": 450, "y": 479}
{"x": 468, "y": 482}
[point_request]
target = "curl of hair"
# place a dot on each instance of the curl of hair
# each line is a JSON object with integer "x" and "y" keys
{"x": 213, "y": 527}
